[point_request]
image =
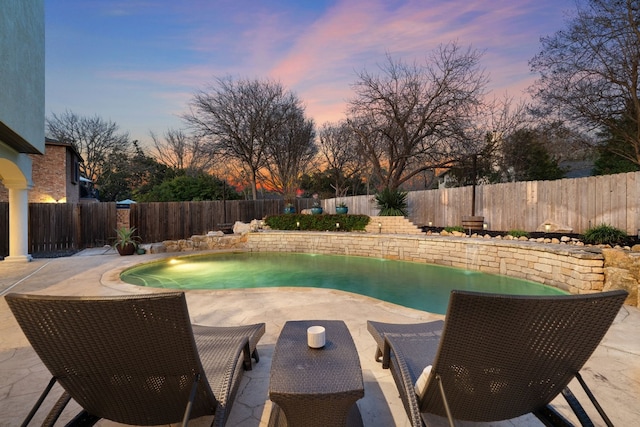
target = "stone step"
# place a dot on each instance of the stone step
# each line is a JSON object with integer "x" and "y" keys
{"x": 392, "y": 225}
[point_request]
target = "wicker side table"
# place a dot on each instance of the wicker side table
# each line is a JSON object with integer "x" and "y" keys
{"x": 315, "y": 387}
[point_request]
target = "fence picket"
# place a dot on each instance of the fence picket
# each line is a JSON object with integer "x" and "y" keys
{"x": 579, "y": 203}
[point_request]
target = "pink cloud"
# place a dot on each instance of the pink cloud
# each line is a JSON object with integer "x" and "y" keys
{"x": 356, "y": 34}
{"x": 318, "y": 56}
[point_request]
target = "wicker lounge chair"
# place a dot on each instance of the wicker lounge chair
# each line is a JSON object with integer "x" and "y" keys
{"x": 497, "y": 357}
{"x": 135, "y": 359}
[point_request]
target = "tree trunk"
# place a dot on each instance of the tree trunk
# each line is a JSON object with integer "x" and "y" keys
{"x": 254, "y": 186}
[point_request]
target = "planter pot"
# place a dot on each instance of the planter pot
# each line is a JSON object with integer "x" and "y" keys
{"x": 289, "y": 209}
{"x": 342, "y": 210}
{"x": 128, "y": 249}
{"x": 316, "y": 210}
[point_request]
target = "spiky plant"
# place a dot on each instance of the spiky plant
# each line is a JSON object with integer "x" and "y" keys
{"x": 392, "y": 202}
{"x": 605, "y": 234}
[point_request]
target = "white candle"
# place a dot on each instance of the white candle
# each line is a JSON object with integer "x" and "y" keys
{"x": 316, "y": 337}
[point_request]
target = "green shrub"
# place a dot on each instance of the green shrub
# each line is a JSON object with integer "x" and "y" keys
{"x": 605, "y": 234}
{"x": 325, "y": 222}
{"x": 518, "y": 233}
{"x": 455, "y": 228}
{"x": 392, "y": 202}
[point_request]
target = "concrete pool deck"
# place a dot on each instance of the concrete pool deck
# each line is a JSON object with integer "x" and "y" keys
{"x": 613, "y": 372}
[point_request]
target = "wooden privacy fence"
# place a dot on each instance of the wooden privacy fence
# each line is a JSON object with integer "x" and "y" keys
{"x": 160, "y": 221}
{"x": 66, "y": 226}
{"x": 55, "y": 227}
{"x": 69, "y": 226}
{"x": 579, "y": 203}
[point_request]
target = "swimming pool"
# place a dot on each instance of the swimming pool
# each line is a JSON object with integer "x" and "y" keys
{"x": 411, "y": 284}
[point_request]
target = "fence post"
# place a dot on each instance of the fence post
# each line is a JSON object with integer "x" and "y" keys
{"x": 76, "y": 221}
{"x": 123, "y": 214}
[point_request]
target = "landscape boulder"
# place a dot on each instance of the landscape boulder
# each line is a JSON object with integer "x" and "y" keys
{"x": 553, "y": 227}
{"x": 240, "y": 227}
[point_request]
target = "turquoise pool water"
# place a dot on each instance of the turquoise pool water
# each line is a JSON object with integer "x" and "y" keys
{"x": 411, "y": 284}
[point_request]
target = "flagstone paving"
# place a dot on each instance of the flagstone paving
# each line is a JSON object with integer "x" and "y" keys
{"x": 613, "y": 372}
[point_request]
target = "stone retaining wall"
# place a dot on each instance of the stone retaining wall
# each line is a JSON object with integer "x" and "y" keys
{"x": 576, "y": 269}
{"x": 572, "y": 269}
{"x": 213, "y": 240}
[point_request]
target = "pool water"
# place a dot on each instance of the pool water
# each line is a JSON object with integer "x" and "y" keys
{"x": 411, "y": 284}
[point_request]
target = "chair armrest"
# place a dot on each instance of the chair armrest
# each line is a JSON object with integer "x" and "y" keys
{"x": 403, "y": 379}
{"x": 242, "y": 349}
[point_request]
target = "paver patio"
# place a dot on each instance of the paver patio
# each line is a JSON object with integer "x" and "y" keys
{"x": 613, "y": 372}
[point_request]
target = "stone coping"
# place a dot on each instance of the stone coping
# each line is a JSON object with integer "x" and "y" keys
{"x": 571, "y": 268}
{"x": 576, "y": 269}
{"x": 587, "y": 252}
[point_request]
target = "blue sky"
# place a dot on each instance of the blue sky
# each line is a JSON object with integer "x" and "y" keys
{"x": 138, "y": 62}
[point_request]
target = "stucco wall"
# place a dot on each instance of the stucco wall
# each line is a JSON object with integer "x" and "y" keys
{"x": 22, "y": 76}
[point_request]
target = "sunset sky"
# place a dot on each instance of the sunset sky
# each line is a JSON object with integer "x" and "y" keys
{"x": 138, "y": 62}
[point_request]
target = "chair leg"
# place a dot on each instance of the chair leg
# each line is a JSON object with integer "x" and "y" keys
{"x": 378, "y": 356}
{"x": 554, "y": 418}
{"x": 444, "y": 401}
{"x": 593, "y": 400}
{"x": 246, "y": 354}
{"x": 577, "y": 408}
{"x": 551, "y": 418}
{"x": 35, "y": 408}
{"x": 192, "y": 398}
{"x": 57, "y": 409}
{"x": 83, "y": 419}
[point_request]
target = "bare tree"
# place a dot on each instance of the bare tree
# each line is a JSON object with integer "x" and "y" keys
{"x": 290, "y": 153}
{"x": 589, "y": 73}
{"x": 341, "y": 153}
{"x": 240, "y": 118}
{"x": 183, "y": 152}
{"x": 94, "y": 138}
{"x": 481, "y": 152}
{"x": 409, "y": 117}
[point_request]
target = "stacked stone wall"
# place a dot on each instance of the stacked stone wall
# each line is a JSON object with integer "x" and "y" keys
{"x": 575, "y": 269}
{"x": 622, "y": 271}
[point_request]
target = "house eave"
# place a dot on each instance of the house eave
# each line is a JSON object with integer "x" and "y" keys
{"x": 15, "y": 141}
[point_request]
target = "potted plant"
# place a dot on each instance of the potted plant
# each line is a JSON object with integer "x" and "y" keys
{"x": 341, "y": 208}
{"x": 126, "y": 242}
{"x": 316, "y": 208}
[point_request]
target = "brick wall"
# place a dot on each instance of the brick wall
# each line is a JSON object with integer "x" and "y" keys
{"x": 51, "y": 176}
